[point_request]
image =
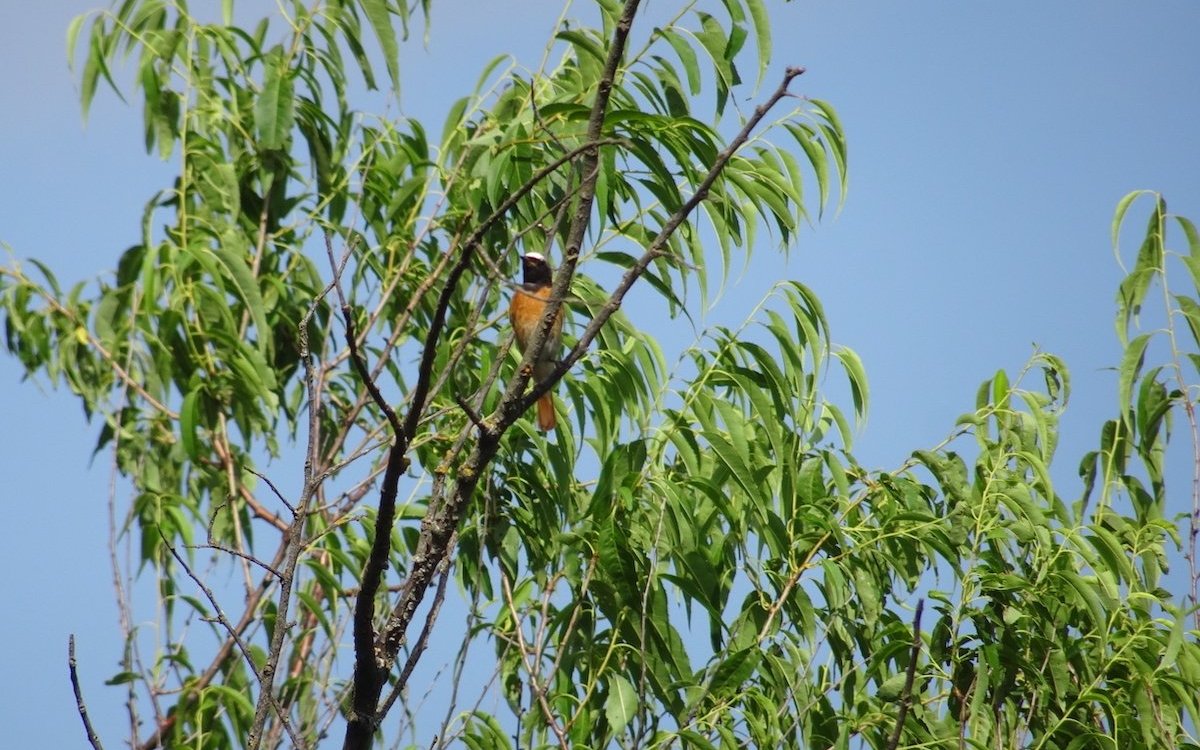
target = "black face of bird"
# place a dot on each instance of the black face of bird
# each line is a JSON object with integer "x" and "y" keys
{"x": 536, "y": 269}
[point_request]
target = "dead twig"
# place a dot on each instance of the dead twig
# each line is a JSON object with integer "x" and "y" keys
{"x": 80, "y": 705}
{"x": 297, "y": 741}
{"x": 906, "y": 695}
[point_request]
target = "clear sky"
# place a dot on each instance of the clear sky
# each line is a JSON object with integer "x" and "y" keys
{"x": 989, "y": 144}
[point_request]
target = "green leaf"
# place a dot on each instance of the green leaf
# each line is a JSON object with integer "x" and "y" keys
{"x": 247, "y": 287}
{"x": 274, "y": 109}
{"x": 687, "y": 56}
{"x": 585, "y": 45}
{"x": 1148, "y": 265}
{"x": 621, "y": 704}
{"x": 122, "y": 678}
{"x": 380, "y": 18}
{"x": 762, "y": 35}
{"x": 733, "y": 671}
{"x": 1119, "y": 216}
{"x": 1131, "y": 365}
{"x": 891, "y": 688}
{"x": 857, "y": 376}
{"x": 188, "y": 424}
{"x": 73, "y": 38}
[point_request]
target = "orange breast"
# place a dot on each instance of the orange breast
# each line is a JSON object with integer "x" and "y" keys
{"x": 526, "y": 311}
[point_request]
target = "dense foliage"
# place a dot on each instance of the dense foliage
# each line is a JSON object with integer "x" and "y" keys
{"x": 694, "y": 558}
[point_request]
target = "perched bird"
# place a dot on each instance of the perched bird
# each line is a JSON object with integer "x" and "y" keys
{"x": 528, "y": 304}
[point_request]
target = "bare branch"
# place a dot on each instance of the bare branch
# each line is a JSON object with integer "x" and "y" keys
{"x": 274, "y": 489}
{"x": 230, "y": 551}
{"x": 356, "y": 358}
{"x": 531, "y": 667}
{"x": 214, "y": 668}
{"x": 80, "y": 705}
{"x": 472, "y": 415}
{"x": 233, "y": 634}
{"x": 294, "y": 537}
{"x": 422, "y": 640}
{"x": 906, "y": 696}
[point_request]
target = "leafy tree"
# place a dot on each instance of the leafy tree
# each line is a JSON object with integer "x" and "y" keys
{"x": 693, "y": 558}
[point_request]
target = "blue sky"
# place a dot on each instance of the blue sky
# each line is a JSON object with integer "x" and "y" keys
{"x": 989, "y": 144}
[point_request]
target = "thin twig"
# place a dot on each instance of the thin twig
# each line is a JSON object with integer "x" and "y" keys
{"x": 237, "y": 639}
{"x": 314, "y": 472}
{"x": 422, "y": 641}
{"x": 274, "y": 489}
{"x": 906, "y": 695}
{"x": 80, "y": 705}
{"x": 249, "y": 616}
{"x": 230, "y": 551}
{"x": 356, "y": 358}
{"x": 535, "y": 682}
{"x": 470, "y": 412}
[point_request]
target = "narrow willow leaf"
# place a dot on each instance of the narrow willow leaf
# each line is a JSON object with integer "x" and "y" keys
{"x": 733, "y": 671}
{"x": 380, "y": 18}
{"x": 890, "y": 689}
{"x": 1112, "y": 553}
{"x": 585, "y": 46}
{"x": 1191, "y": 314}
{"x": 762, "y": 35}
{"x": 188, "y": 424}
{"x": 274, "y": 109}
{"x": 1191, "y": 233}
{"x": 1119, "y": 217}
{"x": 687, "y": 56}
{"x": 1001, "y": 391}
{"x": 92, "y": 65}
{"x": 857, "y": 376}
{"x": 73, "y": 38}
{"x": 1127, "y": 373}
{"x": 247, "y": 288}
{"x": 1174, "y": 641}
{"x": 1148, "y": 265}
{"x": 815, "y": 151}
{"x": 51, "y": 279}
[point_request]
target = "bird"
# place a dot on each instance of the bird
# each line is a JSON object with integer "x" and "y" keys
{"x": 525, "y": 314}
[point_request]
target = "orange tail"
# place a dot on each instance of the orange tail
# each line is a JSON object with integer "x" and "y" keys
{"x": 545, "y": 413}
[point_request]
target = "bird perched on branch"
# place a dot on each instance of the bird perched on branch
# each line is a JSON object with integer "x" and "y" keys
{"x": 528, "y": 304}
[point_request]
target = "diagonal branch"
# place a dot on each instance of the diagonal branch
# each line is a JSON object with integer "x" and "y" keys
{"x": 263, "y": 676}
{"x": 906, "y": 696}
{"x": 653, "y": 251}
{"x": 372, "y": 663}
{"x": 440, "y": 523}
{"x": 93, "y": 738}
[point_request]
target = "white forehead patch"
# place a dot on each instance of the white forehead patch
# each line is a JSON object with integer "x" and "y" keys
{"x": 536, "y": 256}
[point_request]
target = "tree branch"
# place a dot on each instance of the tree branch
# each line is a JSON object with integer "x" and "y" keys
{"x": 422, "y": 640}
{"x": 214, "y": 668}
{"x": 225, "y": 623}
{"x": 531, "y": 665}
{"x": 372, "y": 660}
{"x": 293, "y": 538}
{"x": 654, "y": 250}
{"x": 440, "y": 522}
{"x": 906, "y": 696}
{"x": 80, "y": 705}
